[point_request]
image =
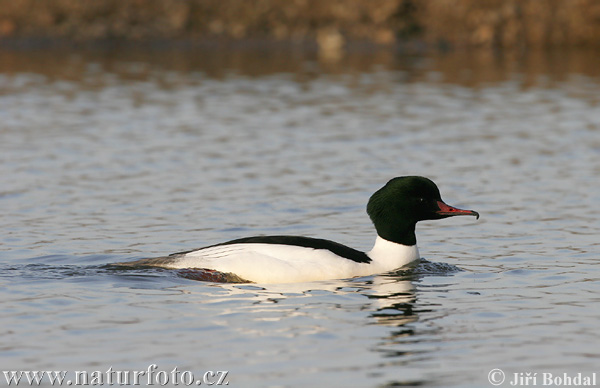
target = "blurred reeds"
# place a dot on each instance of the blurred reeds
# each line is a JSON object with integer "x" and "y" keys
{"x": 329, "y": 23}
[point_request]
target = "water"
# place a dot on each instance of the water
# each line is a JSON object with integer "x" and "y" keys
{"x": 114, "y": 156}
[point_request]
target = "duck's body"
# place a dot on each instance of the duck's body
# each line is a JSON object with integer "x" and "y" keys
{"x": 394, "y": 209}
{"x": 290, "y": 259}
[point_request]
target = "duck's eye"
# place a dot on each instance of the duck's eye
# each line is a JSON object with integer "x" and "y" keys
{"x": 422, "y": 200}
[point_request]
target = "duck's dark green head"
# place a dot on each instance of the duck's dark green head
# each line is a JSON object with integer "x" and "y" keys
{"x": 402, "y": 202}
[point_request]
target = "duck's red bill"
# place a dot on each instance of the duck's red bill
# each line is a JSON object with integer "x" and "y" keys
{"x": 449, "y": 211}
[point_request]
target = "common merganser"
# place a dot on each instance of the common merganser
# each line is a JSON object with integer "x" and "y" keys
{"x": 394, "y": 210}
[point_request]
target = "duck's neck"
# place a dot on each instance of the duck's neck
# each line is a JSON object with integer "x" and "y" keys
{"x": 397, "y": 232}
{"x": 391, "y": 255}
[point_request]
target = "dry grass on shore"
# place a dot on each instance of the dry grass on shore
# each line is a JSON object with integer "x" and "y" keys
{"x": 486, "y": 23}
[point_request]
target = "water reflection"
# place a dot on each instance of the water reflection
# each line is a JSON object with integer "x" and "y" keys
{"x": 127, "y": 154}
{"x": 468, "y": 68}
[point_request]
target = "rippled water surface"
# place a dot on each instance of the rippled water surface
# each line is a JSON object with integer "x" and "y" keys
{"x": 114, "y": 156}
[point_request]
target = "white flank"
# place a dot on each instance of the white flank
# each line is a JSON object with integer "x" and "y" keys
{"x": 278, "y": 263}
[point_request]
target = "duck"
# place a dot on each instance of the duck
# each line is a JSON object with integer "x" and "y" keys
{"x": 394, "y": 211}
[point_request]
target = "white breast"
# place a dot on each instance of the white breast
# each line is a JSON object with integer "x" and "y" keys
{"x": 390, "y": 255}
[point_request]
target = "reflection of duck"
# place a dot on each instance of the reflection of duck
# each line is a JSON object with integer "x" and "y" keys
{"x": 389, "y": 299}
{"x": 393, "y": 298}
{"x": 394, "y": 209}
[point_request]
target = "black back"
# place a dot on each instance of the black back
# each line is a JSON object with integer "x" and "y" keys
{"x": 307, "y": 242}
